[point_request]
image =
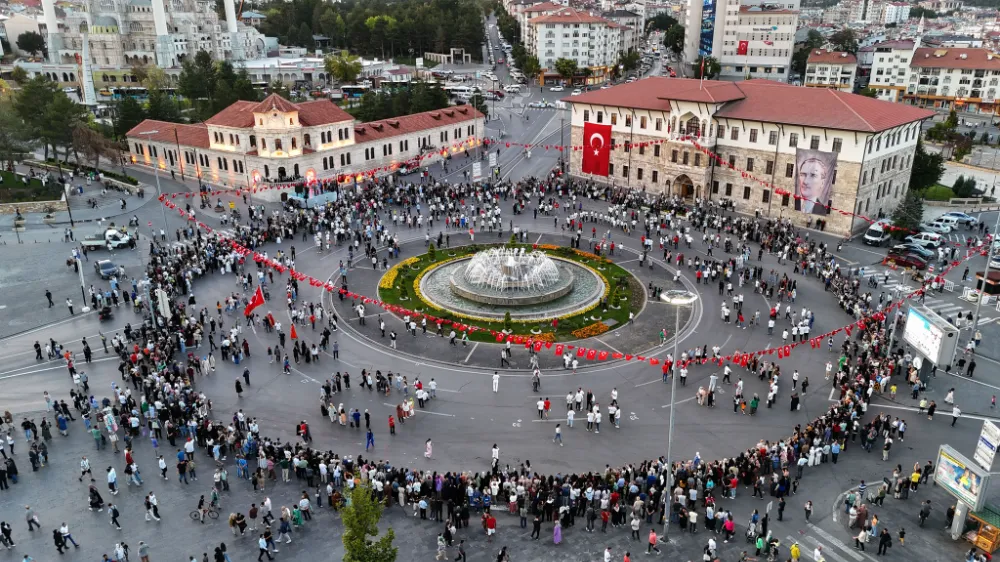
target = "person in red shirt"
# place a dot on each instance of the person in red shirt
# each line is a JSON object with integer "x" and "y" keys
{"x": 605, "y": 515}
{"x": 491, "y": 527}
{"x": 548, "y": 405}
{"x": 627, "y": 558}
{"x": 392, "y": 426}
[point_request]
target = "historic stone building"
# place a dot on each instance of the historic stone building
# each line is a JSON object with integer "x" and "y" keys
{"x": 757, "y": 128}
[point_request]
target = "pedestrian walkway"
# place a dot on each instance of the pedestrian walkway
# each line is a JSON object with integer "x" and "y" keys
{"x": 832, "y": 548}
{"x": 944, "y": 303}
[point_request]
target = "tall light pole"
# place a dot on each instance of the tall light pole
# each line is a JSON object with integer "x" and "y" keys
{"x": 678, "y": 298}
{"x": 986, "y": 276}
{"x": 156, "y": 174}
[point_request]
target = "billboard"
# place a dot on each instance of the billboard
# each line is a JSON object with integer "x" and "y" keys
{"x": 814, "y": 180}
{"x": 707, "y": 36}
{"x": 986, "y": 447}
{"x": 961, "y": 477}
{"x": 930, "y": 335}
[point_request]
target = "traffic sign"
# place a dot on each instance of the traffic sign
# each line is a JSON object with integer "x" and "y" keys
{"x": 477, "y": 171}
{"x": 986, "y": 447}
{"x": 493, "y": 159}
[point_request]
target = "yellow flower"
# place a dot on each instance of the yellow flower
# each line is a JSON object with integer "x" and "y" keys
{"x": 592, "y": 330}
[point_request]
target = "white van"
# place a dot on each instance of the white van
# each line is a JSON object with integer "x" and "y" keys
{"x": 877, "y": 234}
{"x": 926, "y": 239}
{"x": 951, "y": 221}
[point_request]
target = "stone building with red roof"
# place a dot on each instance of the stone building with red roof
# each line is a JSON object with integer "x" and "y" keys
{"x": 275, "y": 140}
{"x": 753, "y": 132}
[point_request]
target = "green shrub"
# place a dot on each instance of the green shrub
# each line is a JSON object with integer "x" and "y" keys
{"x": 507, "y": 321}
{"x": 431, "y": 252}
{"x": 938, "y": 193}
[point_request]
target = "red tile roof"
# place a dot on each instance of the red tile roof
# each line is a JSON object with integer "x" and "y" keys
{"x": 831, "y": 57}
{"x": 414, "y": 123}
{"x": 186, "y": 135}
{"x": 569, "y": 15}
{"x": 321, "y": 112}
{"x": 311, "y": 113}
{"x": 930, "y": 57}
{"x": 275, "y": 102}
{"x": 761, "y": 100}
{"x": 818, "y": 107}
{"x": 656, "y": 92}
{"x": 239, "y": 115}
{"x": 544, "y": 7}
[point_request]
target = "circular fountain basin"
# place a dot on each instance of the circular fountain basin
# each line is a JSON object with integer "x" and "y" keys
{"x": 573, "y": 287}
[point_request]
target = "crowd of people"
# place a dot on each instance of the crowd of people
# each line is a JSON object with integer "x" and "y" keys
{"x": 163, "y": 359}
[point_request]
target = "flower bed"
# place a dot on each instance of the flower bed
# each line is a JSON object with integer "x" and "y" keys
{"x": 401, "y": 285}
{"x": 595, "y": 329}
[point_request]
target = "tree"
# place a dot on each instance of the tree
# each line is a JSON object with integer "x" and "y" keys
{"x": 630, "y": 61}
{"x": 673, "y": 39}
{"x": 660, "y": 22}
{"x": 31, "y": 42}
{"x": 814, "y": 39}
{"x": 531, "y": 67}
{"x": 92, "y": 144}
{"x": 345, "y": 68}
{"x": 927, "y": 168}
{"x": 19, "y": 75}
{"x": 127, "y": 114}
{"x": 278, "y": 87}
{"x": 30, "y": 104}
{"x": 479, "y": 103}
{"x": 711, "y": 66}
{"x": 909, "y": 214}
{"x": 566, "y": 68}
{"x": 162, "y": 108}
{"x": 869, "y": 93}
{"x": 360, "y": 517}
{"x": 59, "y": 118}
{"x": 844, "y": 40}
{"x": 15, "y": 138}
{"x": 916, "y": 12}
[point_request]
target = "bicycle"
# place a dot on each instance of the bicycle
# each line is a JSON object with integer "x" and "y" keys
{"x": 211, "y": 513}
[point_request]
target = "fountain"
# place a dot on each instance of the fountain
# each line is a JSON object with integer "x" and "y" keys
{"x": 530, "y": 285}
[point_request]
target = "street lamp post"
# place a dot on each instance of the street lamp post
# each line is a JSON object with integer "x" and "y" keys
{"x": 986, "y": 275}
{"x": 156, "y": 174}
{"x": 677, "y": 298}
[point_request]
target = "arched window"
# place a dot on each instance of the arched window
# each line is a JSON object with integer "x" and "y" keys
{"x": 294, "y": 143}
{"x": 253, "y": 141}
{"x": 693, "y": 127}
{"x": 306, "y": 140}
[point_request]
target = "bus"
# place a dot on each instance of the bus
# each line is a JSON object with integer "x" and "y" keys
{"x": 136, "y": 93}
{"x": 354, "y": 90}
{"x": 460, "y": 91}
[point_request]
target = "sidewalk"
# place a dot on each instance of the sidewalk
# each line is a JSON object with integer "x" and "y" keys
{"x": 82, "y": 213}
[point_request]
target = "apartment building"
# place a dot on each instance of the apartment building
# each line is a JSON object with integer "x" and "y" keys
{"x": 593, "y": 42}
{"x": 960, "y": 79}
{"x": 890, "y": 69}
{"x": 831, "y": 69}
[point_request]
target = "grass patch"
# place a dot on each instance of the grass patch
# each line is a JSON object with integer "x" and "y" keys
{"x": 14, "y": 190}
{"x": 398, "y": 287}
{"x": 938, "y": 192}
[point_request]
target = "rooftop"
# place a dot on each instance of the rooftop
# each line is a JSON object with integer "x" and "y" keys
{"x": 544, "y": 7}
{"x": 406, "y": 124}
{"x": 761, "y": 100}
{"x": 931, "y": 57}
{"x": 760, "y": 10}
{"x": 822, "y": 56}
{"x": 187, "y": 135}
{"x": 311, "y": 113}
{"x": 568, "y": 15}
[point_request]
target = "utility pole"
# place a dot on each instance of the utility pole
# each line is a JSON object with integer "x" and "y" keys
{"x": 986, "y": 275}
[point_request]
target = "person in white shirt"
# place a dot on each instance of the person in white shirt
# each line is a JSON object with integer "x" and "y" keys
{"x": 496, "y": 381}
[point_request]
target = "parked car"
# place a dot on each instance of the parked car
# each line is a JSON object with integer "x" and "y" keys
{"x": 926, "y": 239}
{"x": 576, "y": 92}
{"x": 915, "y": 248}
{"x": 908, "y": 259}
{"x": 936, "y": 226}
{"x": 962, "y": 218}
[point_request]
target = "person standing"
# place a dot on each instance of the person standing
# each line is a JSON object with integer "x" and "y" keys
{"x": 31, "y": 518}
{"x": 262, "y": 544}
{"x": 64, "y": 531}
{"x": 496, "y": 381}
{"x": 809, "y": 509}
{"x": 652, "y": 542}
{"x": 884, "y": 542}
{"x": 113, "y": 513}
{"x": 558, "y": 436}
{"x": 69, "y": 305}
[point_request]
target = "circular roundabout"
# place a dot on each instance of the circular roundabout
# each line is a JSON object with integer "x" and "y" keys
{"x": 542, "y": 291}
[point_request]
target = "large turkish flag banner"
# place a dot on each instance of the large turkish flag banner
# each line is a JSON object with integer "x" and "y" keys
{"x": 742, "y": 47}
{"x": 596, "y": 149}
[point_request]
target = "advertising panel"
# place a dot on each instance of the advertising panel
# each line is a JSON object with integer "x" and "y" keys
{"x": 961, "y": 477}
{"x": 930, "y": 335}
{"x": 986, "y": 448}
{"x": 814, "y": 180}
{"x": 707, "y": 36}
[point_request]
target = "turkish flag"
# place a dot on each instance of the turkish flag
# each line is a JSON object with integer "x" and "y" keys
{"x": 596, "y": 149}
{"x": 257, "y": 300}
{"x": 742, "y": 48}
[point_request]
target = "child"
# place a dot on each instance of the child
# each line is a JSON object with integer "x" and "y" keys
{"x": 902, "y": 536}
{"x": 892, "y": 391}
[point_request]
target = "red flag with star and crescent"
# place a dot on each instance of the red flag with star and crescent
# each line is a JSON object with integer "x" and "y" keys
{"x": 596, "y": 149}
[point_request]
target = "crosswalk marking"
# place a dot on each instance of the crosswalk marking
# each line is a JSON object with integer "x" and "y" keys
{"x": 828, "y": 553}
{"x": 827, "y": 536}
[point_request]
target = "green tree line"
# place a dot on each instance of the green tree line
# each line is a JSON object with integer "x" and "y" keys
{"x": 379, "y": 28}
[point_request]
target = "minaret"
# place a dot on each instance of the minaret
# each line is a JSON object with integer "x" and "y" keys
{"x": 235, "y": 41}
{"x": 164, "y": 46}
{"x": 52, "y": 28}
{"x": 920, "y": 34}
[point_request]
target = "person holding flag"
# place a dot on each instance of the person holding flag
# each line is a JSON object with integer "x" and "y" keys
{"x": 257, "y": 300}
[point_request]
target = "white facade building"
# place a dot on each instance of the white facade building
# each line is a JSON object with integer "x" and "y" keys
{"x": 755, "y": 41}
{"x": 254, "y": 143}
{"x": 895, "y": 12}
{"x": 591, "y": 41}
{"x": 831, "y": 69}
{"x": 891, "y": 69}
{"x": 756, "y": 127}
